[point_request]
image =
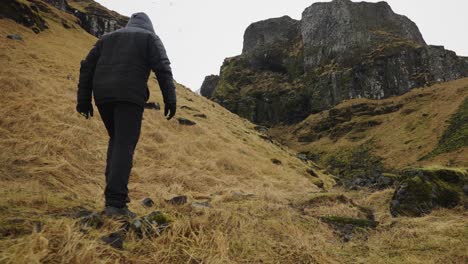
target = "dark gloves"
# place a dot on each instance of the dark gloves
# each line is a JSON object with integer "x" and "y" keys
{"x": 170, "y": 109}
{"x": 85, "y": 109}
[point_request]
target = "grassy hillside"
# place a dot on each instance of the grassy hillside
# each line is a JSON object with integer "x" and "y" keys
{"x": 52, "y": 165}
{"x": 404, "y": 130}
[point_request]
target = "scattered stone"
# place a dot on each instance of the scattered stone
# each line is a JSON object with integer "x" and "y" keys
{"x": 276, "y": 161}
{"x": 347, "y": 227}
{"x": 319, "y": 184}
{"x": 93, "y": 220}
{"x": 422, "y": 189}
{"x": 261, "y": 129}
{"x": 266, "y": 137}
{"x": 15, "y": 37}
{"x": 386, "y": 180}
{"x": 188, "y": 108}
{"x": 147, "y": 202}
{"x": 312, "y": 173}
{"x": 114, "y": 240}
{"x": 200, "y": 116}
{"x": 185, "y": 121}
{"x": 38, "y": 226}
{"x": 153, "y": 105}
{"x": 178, "y": 200}
{"x": 201, "y": 205}
{"x": 82, "y": 213}
{"x": 150, "y": 225}
{"x": 302, "y": 156}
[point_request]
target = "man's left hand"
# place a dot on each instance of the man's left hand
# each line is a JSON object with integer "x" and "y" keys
{"x": 85, "y": 109}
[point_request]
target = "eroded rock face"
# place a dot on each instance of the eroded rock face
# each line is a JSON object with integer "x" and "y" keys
{"x": 339, "y": 50}
{"x": 208, "y": 86}
{"x": 27, "y": 15}
{"x": 98, "y": 22}
{"x": 94, "y": 18}
{"x": 342, "y": 30}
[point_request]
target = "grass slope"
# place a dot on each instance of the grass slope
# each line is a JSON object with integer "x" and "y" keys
{"x": 403, "y": 129}
{"x": 52, "y": 163}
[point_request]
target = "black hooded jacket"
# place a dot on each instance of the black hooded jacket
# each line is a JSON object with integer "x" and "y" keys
{"x": 118, "y": 66}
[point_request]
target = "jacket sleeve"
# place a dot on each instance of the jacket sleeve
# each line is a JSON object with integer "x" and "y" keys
{"x": 88, "y": 65}
{"x": 160, "y": 64}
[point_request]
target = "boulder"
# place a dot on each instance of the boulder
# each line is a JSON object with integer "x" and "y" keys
{"x": 185, "y": 121}
{"x": 115, "y": 240}
{"x": 147, "y": 202}
{"x": 276, "y": 161}
{"x": 153, "y": 105}
{"x": 420, "y": 190}
{"x": 200, "y": 116}
{"x": 15, "y": 37}
{"x": 93, "y": 220}
{"x": 149, "y": 225}
{"x": 178, "y": 200}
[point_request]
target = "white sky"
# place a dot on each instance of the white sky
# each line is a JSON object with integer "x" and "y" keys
{"x": 199, "y": 34}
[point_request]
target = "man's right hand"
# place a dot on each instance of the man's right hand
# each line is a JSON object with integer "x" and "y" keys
{"x": 169, "y": 110}
{"x": 85, "y": 109}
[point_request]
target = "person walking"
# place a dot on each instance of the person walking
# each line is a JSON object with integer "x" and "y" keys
{"x": 116, "y": 72}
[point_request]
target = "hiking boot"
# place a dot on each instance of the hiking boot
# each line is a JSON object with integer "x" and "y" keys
{"x": 114, "y": 212}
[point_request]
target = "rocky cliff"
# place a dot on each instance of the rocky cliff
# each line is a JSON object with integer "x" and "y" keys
{"x": 91, "y": 16}
{"x": 94, "y": 18}
{"x": 208, "y": 86}
{"x": 339, "y": 50}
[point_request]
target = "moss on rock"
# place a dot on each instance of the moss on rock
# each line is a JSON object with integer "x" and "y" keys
{"x": 353, "y": 163}
{"x": 422, "y": 189}
{"x": 456, "y": 135}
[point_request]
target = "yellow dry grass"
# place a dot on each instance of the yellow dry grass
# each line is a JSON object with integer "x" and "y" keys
{"x": 52, "y": 163}
{"x": 404, "y": 136}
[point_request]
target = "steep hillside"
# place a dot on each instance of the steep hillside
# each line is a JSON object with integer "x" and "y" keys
{"x": 414, "y": 129}
{"x": 339, "y": 50}
{"x": 249, "y": 200}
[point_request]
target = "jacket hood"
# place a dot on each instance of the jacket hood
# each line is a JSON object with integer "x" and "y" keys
{"x": 141, "y": 20}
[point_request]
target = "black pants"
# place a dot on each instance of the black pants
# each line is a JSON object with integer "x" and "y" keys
{"x": 123, "y": 124}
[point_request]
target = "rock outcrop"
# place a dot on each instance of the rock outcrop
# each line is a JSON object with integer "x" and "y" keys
{"x": 92, "y": 17}
{"x": 208, "y": 86}
{"x": 422, "y": 190}
{"x": 340, "y": 50}
{"x": 26, "y": 15}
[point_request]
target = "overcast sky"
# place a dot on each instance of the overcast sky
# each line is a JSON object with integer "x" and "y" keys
{"x": 199, "y": 34}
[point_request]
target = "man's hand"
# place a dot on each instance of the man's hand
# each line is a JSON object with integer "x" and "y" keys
{"x": 85, "y": 109}
{"x": 169, "y": 109}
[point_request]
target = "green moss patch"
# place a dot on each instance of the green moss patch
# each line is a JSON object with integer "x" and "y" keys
{"x": 354, "y": 162}
{"x": 456, "y": 135}
{"x": 423, "y": 189}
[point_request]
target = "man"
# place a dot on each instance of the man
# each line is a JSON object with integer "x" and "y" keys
{"x": 116, "y": 71}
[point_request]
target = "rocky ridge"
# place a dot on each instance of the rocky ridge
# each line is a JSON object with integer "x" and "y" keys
{"x": 91, "y": 16}
{"x": 339, "y": 50}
